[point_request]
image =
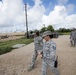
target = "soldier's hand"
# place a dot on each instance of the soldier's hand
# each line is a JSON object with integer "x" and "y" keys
{"x": 41, "y": 56}
{"x": 39, "y": 53}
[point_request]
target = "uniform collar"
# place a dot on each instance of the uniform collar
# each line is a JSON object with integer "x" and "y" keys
{"x": 49, "y": 41}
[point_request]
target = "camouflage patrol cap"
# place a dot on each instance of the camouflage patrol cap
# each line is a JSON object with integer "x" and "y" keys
{"x": 46, "y": 33}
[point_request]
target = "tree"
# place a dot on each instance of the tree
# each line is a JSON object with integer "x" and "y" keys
{"x": 30, "y": 31}
{"x": 64, "y": 30}
{"x": 36, "y": 31}
{"x": 50, "y": 28}
{"x": 43, "y": 29}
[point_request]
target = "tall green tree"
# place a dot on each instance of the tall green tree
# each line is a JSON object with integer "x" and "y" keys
{"x": 43, "y": 29}
{"x": 50, "y": 28}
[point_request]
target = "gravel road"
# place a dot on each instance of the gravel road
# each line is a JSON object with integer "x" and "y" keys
{"x": 17, "y": 61}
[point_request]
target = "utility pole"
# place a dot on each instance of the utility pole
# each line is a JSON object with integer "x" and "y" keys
{"x": 26, "y": 21}
{"x": 44, "y": 25}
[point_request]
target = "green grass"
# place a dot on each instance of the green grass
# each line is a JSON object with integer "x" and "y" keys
{"x": 65, "y": 33}
{"x": 7, "y": 46}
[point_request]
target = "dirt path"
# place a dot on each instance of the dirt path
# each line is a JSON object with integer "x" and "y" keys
{"x": 17, "y": 61}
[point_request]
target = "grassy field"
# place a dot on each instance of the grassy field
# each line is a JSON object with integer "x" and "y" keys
{"x": 7, "y": 45}
{"x": 65, "y": 33}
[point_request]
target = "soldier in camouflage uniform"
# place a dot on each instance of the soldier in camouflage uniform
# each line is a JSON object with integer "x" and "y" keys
{"x": 49, "y": 53}
{"x": 38, "y": 43}
{"x": 73, "y": 37}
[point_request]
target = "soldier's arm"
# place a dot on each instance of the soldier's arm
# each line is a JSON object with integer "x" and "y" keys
{"x": 41, "y": 41}
{"x": 70, "y": 35}
{"x": 40, "y": 53}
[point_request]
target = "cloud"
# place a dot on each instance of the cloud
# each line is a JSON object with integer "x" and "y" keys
{"x": 62, "y": 2}
{"x": 35, "y": 15}
{"x": 70, "y": 8}
{"x": 56, "y": 16}
{"x": 12, "y": 16}
{"x": 59, "y": 18}
{"x": 11, "y": 13}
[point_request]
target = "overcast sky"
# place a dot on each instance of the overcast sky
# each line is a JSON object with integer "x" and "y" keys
{"x": 59, "y": 13}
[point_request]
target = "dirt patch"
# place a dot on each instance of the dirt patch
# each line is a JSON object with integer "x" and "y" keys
{"x": 17, "y": 61}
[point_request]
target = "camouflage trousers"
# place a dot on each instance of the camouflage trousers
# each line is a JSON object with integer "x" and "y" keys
{"x": 48, "y": 63}
{"x": 34, "y": 58}
{"x": 73, "y": 42}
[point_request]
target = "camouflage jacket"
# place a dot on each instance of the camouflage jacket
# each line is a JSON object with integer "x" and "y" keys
{"x": 38, "y": 43}
{"x": 49, "y": 50}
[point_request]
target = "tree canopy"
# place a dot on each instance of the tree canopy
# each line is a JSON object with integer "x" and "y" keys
{"x": 50, "y": 28}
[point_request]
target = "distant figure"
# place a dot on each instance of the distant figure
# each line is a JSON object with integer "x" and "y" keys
{"x": 38, "y": 43}
{"x": 49, "y": 54}
{"x": 73, "y": 37}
